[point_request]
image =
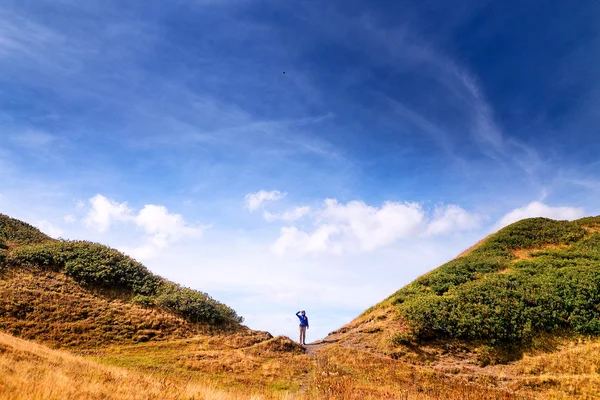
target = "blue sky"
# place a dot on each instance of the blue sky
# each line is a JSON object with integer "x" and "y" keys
{"x": 399, "y": 135}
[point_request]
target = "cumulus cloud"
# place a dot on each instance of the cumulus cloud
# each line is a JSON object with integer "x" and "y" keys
{"x": 104, "y": 212}
{"x": 49, "y": 229}
{"x": 373, "y": 227}
{"x": 288, "y": 216}
{"x": 161, "y": 228}
{"x": 452, "y": 218}
{"x": 538, "y": 209}
{"x": 356, "y": 226}
{"x": 291, "y": 238}
{"x": 255, "y": 200}
{"x": 69, "y": 218}
{"x": 157, "y": 220}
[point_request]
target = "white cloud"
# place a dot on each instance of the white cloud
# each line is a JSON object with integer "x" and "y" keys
{"x": 157, "y": 220}
{"x": 452, "y": 218}
{"x": 69, "y": 218}
{"x": 320, "y": 240}
{"x": 161, "y": 228}
{"x": 104, "y": 212}
{"x": 373, "y": 227}
{"x": 358, "y": 227}
{"x": 255, "y": 200}
{"x": 49, "y": 229}
{"x": 538, "y": 209}
{"x": 288, "y": 216}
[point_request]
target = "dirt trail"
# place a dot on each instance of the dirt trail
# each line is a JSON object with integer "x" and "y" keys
{"x": 312, "y": 350}
{"x": 314, "y": 347}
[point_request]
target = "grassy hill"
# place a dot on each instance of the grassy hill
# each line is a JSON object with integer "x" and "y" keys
{"x": 526, "y": 296}
{"x": 77, "y": 293}
{"x": 532, "y": 278}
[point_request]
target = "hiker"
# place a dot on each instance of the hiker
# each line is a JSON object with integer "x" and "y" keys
{"x": 303, "y": 325}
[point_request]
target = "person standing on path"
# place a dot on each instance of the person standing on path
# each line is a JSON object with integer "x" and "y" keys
{"x": 303, "y": 326}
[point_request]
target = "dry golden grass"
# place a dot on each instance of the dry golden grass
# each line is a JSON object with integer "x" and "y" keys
{"x": 592, "y": 228}
{"x": 343, "y": 373}
{"x": 570, "y": 371}
{"x": 276, "y": 368}
{"x": 528, "y": 254}
{"x": 214, "y": 368}
{"x": 52, "y": 308}
{"x": 554, "y": 367}
{"x": 241, "y": 361}
{"x": 29, "y": 371}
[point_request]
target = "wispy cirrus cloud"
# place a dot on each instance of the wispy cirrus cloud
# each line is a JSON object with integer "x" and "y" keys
{"x": 404, "y": 50}
{"x": 23, "y": 37}
{"x": 33, "y": 139}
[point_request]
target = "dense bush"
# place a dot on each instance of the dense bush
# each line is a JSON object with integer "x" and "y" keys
{"x": 530, "y": 234}
{"x": 488, "y": 295}
{"x": 195, "y": 306}
{"x": 89, "y": 264}
{"x": 13, "y": 230}
{"x": 99, "y": 266}
{"x": 3, "y": 247}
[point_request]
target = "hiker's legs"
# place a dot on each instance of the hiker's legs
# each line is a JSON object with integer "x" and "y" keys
{"x": 302, "y": 334}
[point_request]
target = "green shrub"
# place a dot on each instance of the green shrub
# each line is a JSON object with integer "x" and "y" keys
{"x": 144, "y": 301}
{"x": 3, "y": 247}
{"x": 460, "y": 271}
{"x": 405, "y": 338}
{"x": 590, "y": 222}
{"x": 99, "y": 266}
{"x": 195, "y": 306}
{"x": 89, "y": 264}
{"x": 530, "y": 234}
{"x": 19, "y": 232}
{"x": 487, "y": 295}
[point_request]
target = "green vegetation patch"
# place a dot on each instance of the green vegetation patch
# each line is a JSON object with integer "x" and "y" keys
{"x": 492, "y": 296}
{"x": 97, "y": 266}
{"x": 13, "y": 230}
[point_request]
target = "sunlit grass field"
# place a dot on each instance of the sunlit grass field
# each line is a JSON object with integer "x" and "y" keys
{"x": 223, "y": 367}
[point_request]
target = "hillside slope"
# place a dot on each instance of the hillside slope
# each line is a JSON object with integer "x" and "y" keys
{"x": 76, "y": 293}
{"x": 59, "y": 375}
{"x": 532, "y": 278}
